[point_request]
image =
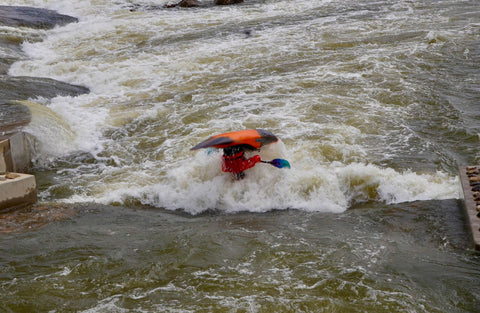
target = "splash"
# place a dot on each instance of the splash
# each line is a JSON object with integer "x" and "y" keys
{"x": 61, "y": 127}
{"x": 198, "y": 185}
{"x": 53, "y": 134}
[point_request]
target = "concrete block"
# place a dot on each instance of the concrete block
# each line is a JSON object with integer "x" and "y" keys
{"x": 17, "y": 190}
{"x": 15, "y": 152}
{"x": 5, "y": 156}
{"x": 20, "y": 150}
{"x": 470, "y": 183}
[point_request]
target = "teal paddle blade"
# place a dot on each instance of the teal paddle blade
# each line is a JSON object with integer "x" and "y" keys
{"x": 210, "y": 150}
{"x": 280, "y": 163}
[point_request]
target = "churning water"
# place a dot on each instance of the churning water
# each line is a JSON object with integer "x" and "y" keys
{"x": 375, "y": 103}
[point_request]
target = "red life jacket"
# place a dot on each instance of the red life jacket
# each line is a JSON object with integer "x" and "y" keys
{"x": 238, "y": 163}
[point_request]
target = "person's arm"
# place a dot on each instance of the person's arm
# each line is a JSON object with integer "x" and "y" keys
{"x": 237, "y": 163}
{"x": 249, "y": 163}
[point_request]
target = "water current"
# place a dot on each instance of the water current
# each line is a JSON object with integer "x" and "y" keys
{"x": 376, "y": 104}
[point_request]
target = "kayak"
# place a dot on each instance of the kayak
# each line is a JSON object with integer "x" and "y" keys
{"x": 255, "y": 138}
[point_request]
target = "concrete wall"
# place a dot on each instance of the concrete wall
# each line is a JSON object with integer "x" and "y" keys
{"x": 470, "y": 183}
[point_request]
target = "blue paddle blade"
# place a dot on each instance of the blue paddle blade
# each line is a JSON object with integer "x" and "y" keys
{"x": 280, "y": 163}
{"x": 210, "y": 150}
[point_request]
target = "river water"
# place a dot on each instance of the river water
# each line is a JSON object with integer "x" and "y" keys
{"x": 375, "y": 103}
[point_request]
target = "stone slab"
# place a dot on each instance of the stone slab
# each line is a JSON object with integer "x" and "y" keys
{"x": 470, "y": 183}
{"x": 17, "y": 190}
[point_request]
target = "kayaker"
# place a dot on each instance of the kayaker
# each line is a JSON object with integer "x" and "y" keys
{"x": 235, "y": 162}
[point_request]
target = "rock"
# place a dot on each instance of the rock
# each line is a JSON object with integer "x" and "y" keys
{"x": 185, "y": 4}
{"x": 196, "y": 3}
{"x": 24, "y": 87}
{"x": 476, "y": 196}
{"x": 189, "y": 3}
{"x": 34, "y": 216}
{"x": 16, "y": 16}
{"x": 13, "y": 115}
{"x": 226, "y": 2}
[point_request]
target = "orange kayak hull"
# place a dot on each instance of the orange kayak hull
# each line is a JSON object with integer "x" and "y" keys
{"x": 256, "y": 138}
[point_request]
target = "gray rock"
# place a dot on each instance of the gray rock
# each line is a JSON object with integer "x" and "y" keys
{"x": 13, "y": 117}
{"x": 24, "y": 87}
{"x": 226, "y": 2}
{"x": 16, "y": 16}
{"x": 185, "y": 4}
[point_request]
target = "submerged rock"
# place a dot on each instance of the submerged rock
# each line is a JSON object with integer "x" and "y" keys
{"x": 34, "y": 216}
{"x": 196, "y": 3}
{"x": 16, "y": 16}
{"x": 185, "y": 4}
{"x": 226, "y": 2}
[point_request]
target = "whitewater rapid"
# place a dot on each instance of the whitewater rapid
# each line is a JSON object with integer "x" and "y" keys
{"x": 334, "y": 84}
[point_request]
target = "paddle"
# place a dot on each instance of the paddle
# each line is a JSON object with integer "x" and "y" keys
{"x": 280, "y": 163}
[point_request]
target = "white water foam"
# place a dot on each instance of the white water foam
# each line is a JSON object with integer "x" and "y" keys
{"x": 61, "y": 127}
{"x": 196, "y": 185}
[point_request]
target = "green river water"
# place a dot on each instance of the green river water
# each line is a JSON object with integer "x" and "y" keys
{"x": 376, "y": 104}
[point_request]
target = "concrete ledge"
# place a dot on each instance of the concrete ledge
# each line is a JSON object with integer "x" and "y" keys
{"x": 17, "y": 190}
{"x": 470, "y": 179}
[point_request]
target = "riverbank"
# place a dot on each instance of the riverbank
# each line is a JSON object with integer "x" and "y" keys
{"x": 18, "y": 190}
{"x": 14, "y": 115}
